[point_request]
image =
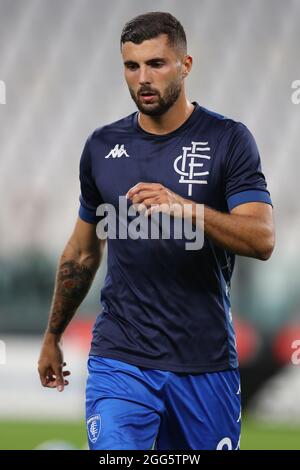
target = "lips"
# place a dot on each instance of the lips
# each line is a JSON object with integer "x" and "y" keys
{"x": 147, "y": 95}
{"x": 148, "y": 98}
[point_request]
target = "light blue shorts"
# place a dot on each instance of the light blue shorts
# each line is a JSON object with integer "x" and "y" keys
{"x": 135, "y": 408}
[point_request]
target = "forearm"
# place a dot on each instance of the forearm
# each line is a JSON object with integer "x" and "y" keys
{"x": 248, "y": 230}
{"x": 74, "y": 277}
{"x": 244, "y": 235}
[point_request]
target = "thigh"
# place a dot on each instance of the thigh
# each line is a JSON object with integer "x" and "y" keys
{"x": 203, "y": 411}
{"x": 121, "y": 424}
{"x": 121, "y": 410}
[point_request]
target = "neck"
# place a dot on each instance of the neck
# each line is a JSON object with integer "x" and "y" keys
{"x": 169, "y": 121}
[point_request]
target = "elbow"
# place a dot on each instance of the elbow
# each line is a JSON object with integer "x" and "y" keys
{"x": 266, "y": 248}
{"x": 90, "y": 259}
{"x": 265, "y": 254}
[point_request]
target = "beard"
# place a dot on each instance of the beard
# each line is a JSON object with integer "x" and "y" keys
{"x": 162, "y": 104}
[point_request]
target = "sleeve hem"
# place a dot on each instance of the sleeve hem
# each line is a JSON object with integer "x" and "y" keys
{"x": 243, "y": 197}
{"x": 87, "y": 215}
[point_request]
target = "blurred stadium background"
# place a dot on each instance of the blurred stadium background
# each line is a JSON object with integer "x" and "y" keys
{"x": 61, "y": 65}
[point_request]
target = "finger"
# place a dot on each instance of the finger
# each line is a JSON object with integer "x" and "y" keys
{"x": 142, "y": 186}
{"x": 49, "y": 381}
{"x": 134, "y": 188}
{"x": 59, "y": 379}
{"x": 52, "y": 377}
{"x": 142, "y": 195}
{"x": 43, "y": 374}
{"x": 53, "y": 384}
{"x": 141, "y": 207}
{"x": 153, "y": 209}
{"x": 44, "y": 381}
{"x": 43, "y": 378}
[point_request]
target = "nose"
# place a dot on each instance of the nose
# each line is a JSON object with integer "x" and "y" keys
{"x": 144, "y": 77}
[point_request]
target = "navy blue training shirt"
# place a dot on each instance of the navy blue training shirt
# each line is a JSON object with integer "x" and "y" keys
{"x": 164, "y": 307}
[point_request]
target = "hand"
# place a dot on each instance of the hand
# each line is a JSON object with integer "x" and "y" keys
{"x": 50, "y": 365}
{"x": 154, "y": 197}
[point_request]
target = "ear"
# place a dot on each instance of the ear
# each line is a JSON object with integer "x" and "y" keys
{"x": 187, "y": 64}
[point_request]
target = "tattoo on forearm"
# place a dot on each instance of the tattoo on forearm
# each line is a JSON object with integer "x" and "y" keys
{"x": 72, "y": 284}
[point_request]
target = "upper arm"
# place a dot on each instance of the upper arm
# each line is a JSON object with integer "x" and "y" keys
{"x": 244, "y": 180}
{"x": 262, "y": 214}
{"x": 90, "y": 197}
{"x": 245, "y": 184}
{"x": 84, "y": 243}
{"x": 259, "y": 210}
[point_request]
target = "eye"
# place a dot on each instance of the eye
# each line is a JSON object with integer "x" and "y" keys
{"x": 157, "y": 65}
{"x": 131, "y": 66}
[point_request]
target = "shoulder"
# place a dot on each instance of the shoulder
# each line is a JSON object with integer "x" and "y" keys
{"x": 120, "y": 127}
{"x": 226, "y": 126}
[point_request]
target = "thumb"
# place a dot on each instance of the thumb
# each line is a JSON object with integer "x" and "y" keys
{"x": 59, "y": 379}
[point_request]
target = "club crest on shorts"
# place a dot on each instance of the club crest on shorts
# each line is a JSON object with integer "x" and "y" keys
{"x": 94, "y": 427}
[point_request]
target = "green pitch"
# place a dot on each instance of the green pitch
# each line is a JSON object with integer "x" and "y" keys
{"x": 28, "y": 435}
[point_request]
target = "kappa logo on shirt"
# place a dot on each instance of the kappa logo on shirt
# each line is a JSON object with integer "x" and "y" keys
{"x": 188, "y": 163}
{"x": 117, "y": 152}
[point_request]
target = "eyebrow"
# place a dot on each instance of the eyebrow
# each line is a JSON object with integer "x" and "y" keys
{"x": 148, "y": 62}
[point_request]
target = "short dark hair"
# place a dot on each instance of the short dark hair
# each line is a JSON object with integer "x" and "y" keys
{"x": 152, "y": 24}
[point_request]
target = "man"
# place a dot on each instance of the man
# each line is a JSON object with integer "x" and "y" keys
{"x": 163, "y": 366}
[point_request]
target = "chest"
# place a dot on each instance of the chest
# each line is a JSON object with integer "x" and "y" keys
{"x": 189, "y": 166}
